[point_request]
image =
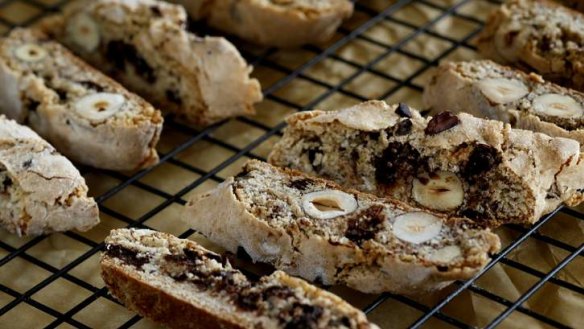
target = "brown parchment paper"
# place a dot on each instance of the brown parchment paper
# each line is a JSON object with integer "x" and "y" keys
{"x": 472, "y": 307}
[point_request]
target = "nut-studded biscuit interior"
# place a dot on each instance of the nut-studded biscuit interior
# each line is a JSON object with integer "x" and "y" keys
{"x": 296, "y": 202}
{"x": 67, "y": 81}
{"x": 190, "y": 273}
{"x": 490, "y": 85}
{"x": 537, "y": 35}
{"x": 84, "y": 114}
{"x": 145, "y": 46}
{"x": 456, "y": 164}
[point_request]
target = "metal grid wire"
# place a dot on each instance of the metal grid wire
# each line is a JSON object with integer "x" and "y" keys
{"x": 370, "y": 16}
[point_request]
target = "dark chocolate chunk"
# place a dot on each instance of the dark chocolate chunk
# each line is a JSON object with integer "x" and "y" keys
{"x": 374, "y": 135}
{"x": 115, "y": 53}
{"x": 120, "y": 53}
{"x": 483, "y": 158}
{"x": 402, "y": 128}
{"x": 510, "y": 37}
{"x": 156, "y": 11}
{"x": 364, "y": 225}
{"x": 32, "y": 105}
{"x": 403, "y": 110}
{"x": 6, "y": 183}
{"x": 62, "y": 94}
{"x": 142, "y": 68}
{"x": 301, "y": 184}
{"x": 442, "y": 268}
{"x": 27, "y": 163}
{"x": 301, "y": 316}
{"x": 248, "y": 299}
{"x": 397, "y": 160}
{"x": 277, "y": 292}
{"x": 126, "y": 255}
{"x": 312, "y": 153}
{"x": 173, "y": 96}
{"x": 441, "y": 122}
{"x": 92, "y": 85}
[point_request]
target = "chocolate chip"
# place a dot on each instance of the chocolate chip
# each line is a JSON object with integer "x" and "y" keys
{"x": 62, "y": 94}
{"x": 248, "y": 300}
{"x": 403, "y": 128}
{"x": 115, "y": 53}
{"x": 302, "y": 316}
{"x": 301, "y": 184}
{"x": 92, "y": 85}
{"x": 156, "y": 11}
{"x": 423, "y": 180}
{"x": 442, "y": 268}
{"x": 441, "y": 122}
{"x": 31, "y": 105}
{"x": 143, "y": 69}
{"x": 119, "y": 52}
{"x": 403, "y": 110}
{"x": 27, "y": 164}
{"x": 312, "y": 153}
{"x": 483, "y": 158}
{"x": 277, "y": 292}
{"x": 126, "y": 255}
{"x": 6, "y": 183}
{"x": 173, "y": 96}
{"x": 364, "y": 225}
{"x": 510, "y": 37}
{"x": 374, "y": 135}
{"x": 397, "y": 160}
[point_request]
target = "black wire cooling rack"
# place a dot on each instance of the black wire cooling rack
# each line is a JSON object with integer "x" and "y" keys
{"x": 277, "y": 72}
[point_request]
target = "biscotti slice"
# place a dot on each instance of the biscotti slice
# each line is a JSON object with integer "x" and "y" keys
{"x": 537, "y": 36}
{"x": 489, "y": 90}
{"x": 42, "y": 192}
{"x": 180, "y": 284}
{"x": 145, "y": 46}
{"x": 87, "y": 116}
{"x": 456, "y": 164}
{"x": 315, "y": 229}
{"x": 288, "y": 23}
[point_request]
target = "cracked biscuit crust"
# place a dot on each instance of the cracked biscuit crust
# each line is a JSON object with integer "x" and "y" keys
{"x": 42, "y": 192}
{"x": 88, "y": 117}
{"x": 280, "y": 23}
{"x": 144, "y": 44}
{"x": 489, "y": 90}
{"x": 456, "y": 164}
{"x": 317, "y": 230}
{"x": 539, "y": 36}
{"x": 180, "y": 284}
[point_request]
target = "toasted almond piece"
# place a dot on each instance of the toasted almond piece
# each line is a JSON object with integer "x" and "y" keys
{"x": 328, "y": 204}
{"x": 416, "y": 227}
{"x": 440, "y": 191}
{"x": 100, "y": 106}
{"x": 501, "y": 90}
{"x": 84, "y": 32}
{"x": 30, "y": 52}
{"x": 557, "y": 105}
